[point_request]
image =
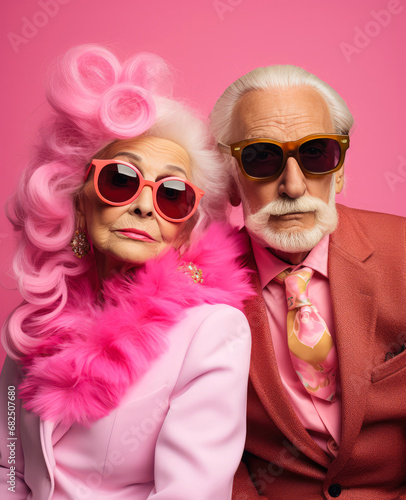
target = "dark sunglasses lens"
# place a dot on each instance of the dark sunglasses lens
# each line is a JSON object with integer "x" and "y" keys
{"x": 175, "y": 199}
{"x": 117, "y": 182}
{"x": 320, "y": 156}
{"x": 261, "y": 159}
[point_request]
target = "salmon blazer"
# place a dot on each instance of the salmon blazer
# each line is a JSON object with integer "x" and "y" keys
{"x": 367, "y": 273}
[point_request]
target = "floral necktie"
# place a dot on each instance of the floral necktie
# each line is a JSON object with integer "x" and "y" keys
{"x": 311, "y": 346}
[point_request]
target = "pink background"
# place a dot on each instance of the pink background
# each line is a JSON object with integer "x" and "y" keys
{"x": 210, "y": 43}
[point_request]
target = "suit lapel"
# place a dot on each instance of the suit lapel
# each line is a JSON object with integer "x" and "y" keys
{"x": 355, "y": 311}
{"x": 264, "y": 367}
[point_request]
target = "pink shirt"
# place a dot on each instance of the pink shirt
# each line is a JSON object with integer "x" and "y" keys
{"x": 322, "y": 419}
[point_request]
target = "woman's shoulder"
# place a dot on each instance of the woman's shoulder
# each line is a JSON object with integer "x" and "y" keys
{"x": 206, "y": 338}
{"x": 216, "y": 332}
{"x": 216, "y": 320}
{"x": 216, "y": 346}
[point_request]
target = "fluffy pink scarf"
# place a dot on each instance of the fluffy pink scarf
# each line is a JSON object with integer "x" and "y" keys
{"x": 95, "y": 352}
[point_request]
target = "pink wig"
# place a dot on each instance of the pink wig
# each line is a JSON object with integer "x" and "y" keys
{"x": 95, "y": 100}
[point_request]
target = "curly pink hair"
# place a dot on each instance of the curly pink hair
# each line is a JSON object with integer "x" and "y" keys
{"x": 95, "y": 100}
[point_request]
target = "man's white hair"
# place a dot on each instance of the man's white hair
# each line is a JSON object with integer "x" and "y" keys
{"x": 275, "y": 78}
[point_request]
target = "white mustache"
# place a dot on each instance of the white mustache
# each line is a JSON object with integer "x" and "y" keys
{"x": 283, "y": 206}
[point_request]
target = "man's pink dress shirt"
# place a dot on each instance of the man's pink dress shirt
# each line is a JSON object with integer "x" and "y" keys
{"x": 322, "y": 419}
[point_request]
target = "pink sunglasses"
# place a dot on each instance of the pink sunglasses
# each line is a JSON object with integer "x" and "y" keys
{"x": 119, "y": 183}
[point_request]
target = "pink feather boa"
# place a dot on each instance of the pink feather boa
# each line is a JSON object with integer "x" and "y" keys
{"x": 95, "y": 352}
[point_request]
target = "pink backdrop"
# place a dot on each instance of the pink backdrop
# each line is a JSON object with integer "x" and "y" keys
{"x": 357, "y": 47}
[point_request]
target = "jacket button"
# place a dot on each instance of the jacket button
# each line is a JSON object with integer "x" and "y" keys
{"x": 334, "y": 490}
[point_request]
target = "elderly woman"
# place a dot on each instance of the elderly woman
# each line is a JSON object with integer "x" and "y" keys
{"x": 127, "y": 360}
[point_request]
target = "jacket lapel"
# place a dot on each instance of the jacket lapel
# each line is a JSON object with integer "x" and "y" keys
{"x": 264, "y": 367}
{"x": 355, "y": 311}
{"x": 38, "y": 469}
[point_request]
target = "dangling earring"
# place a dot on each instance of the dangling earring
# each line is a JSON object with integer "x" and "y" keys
{"x": 80, "y": 245}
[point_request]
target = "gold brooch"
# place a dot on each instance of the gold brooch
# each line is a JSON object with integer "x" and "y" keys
{"x": 192, "y": 270}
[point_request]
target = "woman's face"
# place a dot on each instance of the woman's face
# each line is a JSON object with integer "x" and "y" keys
{"x": 127, "y": 236}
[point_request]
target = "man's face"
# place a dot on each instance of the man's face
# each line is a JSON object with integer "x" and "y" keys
{"x": 285, "y": 115}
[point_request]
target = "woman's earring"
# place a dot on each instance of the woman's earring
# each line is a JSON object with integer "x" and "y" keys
{"x": 80, "y": 245}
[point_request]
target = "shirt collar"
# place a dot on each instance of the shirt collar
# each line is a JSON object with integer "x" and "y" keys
{"x": 270, "y": 266}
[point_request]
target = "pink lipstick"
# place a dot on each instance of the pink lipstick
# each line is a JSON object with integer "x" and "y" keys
{"x": 136, "y": 234}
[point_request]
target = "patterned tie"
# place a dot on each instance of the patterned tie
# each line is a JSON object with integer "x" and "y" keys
{"x": 311, "y": 347}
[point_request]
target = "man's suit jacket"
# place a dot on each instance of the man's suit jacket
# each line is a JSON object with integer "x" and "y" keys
{"x": 367, "y": 273}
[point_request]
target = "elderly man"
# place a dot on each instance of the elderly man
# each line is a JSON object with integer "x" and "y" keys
{"x": 327, "y": 391}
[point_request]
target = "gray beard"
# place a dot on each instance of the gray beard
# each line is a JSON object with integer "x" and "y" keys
{"x": 326, "y": 219}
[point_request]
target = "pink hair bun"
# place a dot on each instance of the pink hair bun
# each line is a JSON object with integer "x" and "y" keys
{"x": 82, "y": 76}
{"x": 150, "y": 72}
{"x": 127, "y": 110}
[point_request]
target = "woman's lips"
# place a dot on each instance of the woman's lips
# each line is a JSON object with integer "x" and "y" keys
{"x": 136, "y": 234}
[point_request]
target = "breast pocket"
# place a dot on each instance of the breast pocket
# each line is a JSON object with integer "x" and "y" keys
{"x": 395, "y": 367}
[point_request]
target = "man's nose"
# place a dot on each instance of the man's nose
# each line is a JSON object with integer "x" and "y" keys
{"x": 292, "y": 182}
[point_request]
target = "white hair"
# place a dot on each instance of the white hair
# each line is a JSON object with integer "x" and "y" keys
{"x": 275, "y": 78}
{"x": 180, "y": 124}
{"x": 269, "y": 78}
